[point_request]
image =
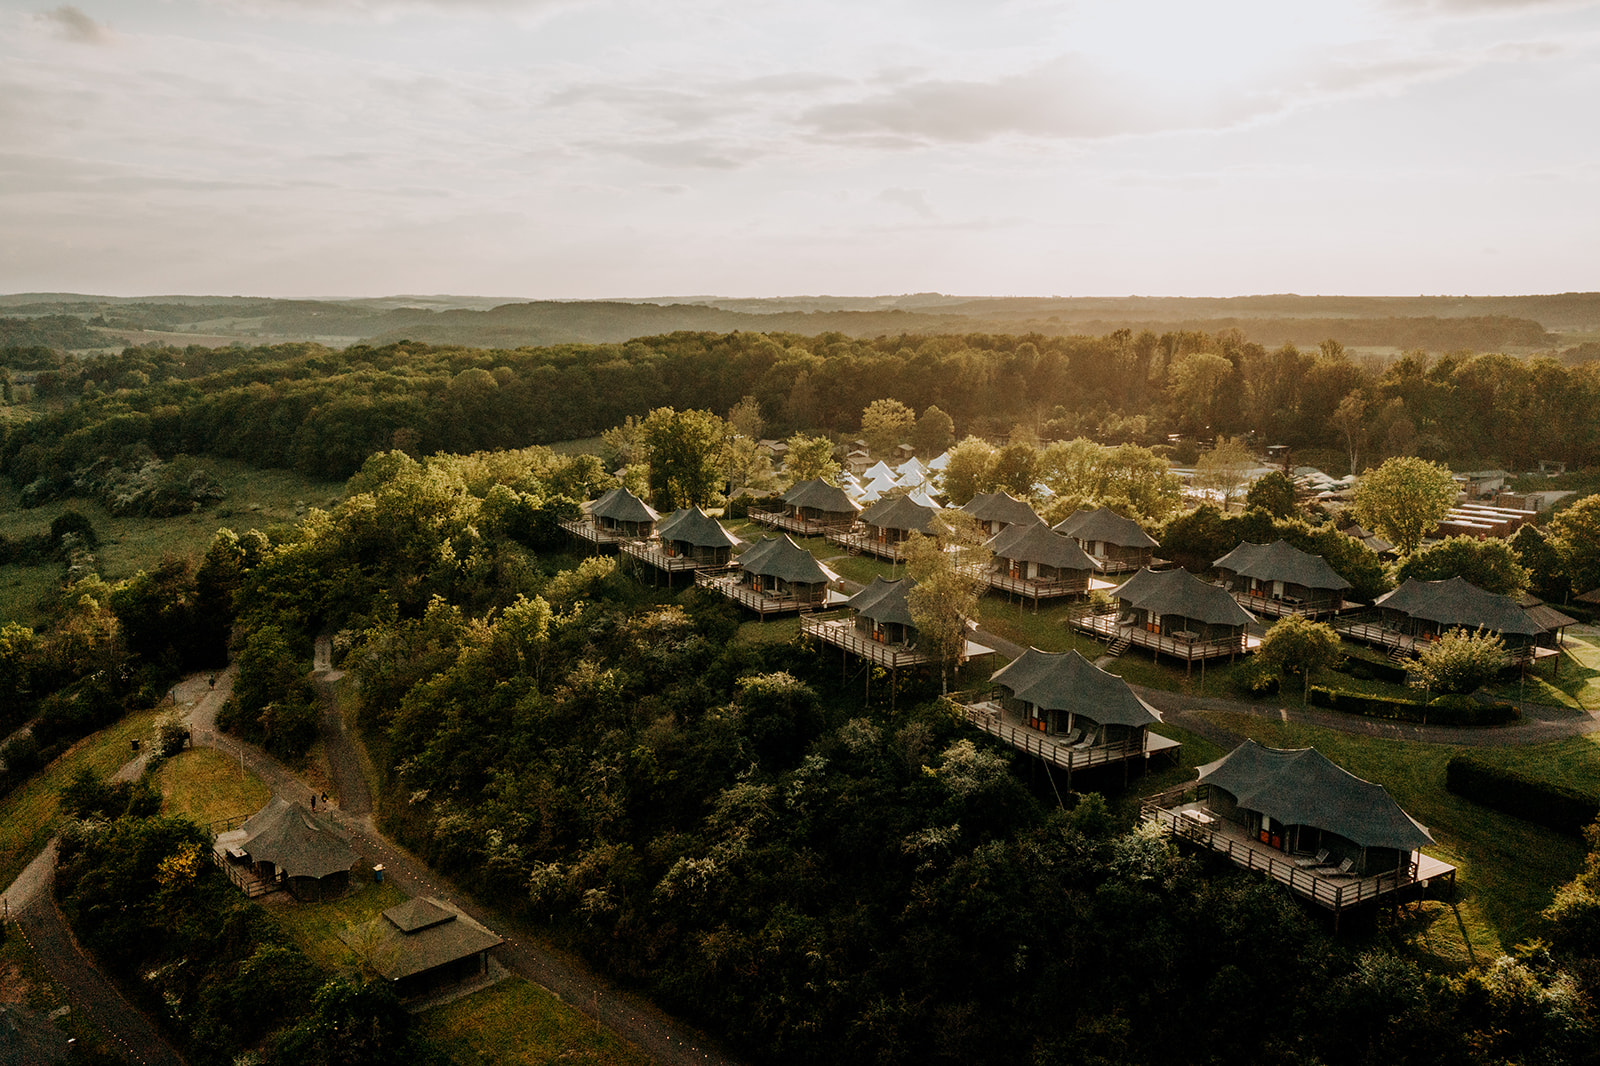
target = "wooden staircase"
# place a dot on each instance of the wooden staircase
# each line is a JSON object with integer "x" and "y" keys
{"x": 1118, "y": 646}
{"x": 1399, "y": 656}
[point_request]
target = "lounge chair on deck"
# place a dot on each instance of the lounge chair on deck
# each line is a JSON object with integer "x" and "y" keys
{"x": 1307, "y": 861}
{"x": 1344, "y": 869}
{"x": 1070, "y": 738}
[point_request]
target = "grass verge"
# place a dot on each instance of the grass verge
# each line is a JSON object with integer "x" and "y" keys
{"x": 316, "y": 926}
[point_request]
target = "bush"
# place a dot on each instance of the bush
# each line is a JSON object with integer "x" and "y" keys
{"x": 1556, "y": 806}
{"x": 1444, "y": 710}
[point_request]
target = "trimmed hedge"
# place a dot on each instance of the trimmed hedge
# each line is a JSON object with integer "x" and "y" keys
{"x": 1556, "y": 806}
{"x": 1443, "y": 710}
{"x": 1367, "y": 670}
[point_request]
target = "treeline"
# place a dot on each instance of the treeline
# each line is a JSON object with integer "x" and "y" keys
{"x": 727, "y": 826}
{"x": 323, "y": 412}
{"x": 48, "y": 331}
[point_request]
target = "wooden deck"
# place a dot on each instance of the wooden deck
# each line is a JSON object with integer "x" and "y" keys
{"x": 858, "y": 542}
{"x": 1107, "y": 627}
{"x": 1191, "y": 821}
{"x": 763, "y": 603}
{"x": 990, "y": 716}
{"x": 1368, "y": 631}
{"x": 806, "y": 527}
{"x": 841, "y": 632}
{"x": 1286, "y": 606}
{"x": 652, "y": 553}
{"x": 592, "y": 536}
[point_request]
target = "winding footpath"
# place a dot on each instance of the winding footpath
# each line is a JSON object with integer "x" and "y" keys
{"x": 666, "y": 1040}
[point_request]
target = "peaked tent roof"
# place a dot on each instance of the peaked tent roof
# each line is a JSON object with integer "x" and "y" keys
{"x": 1281, "y": 561}
{"x": 999, "y": 507}
{"x": 880, "y": 469}
{"x": 821, "y": 496}
{"x": 1301, "y": 787}
{"x": 620, "y": 505}
{"x": 1066, "y": 681}
{"x": 798, "y": 487}
{"x": 1035, "y": 542}
{"x": 912, "y": 465}
{"x": 940, "y": 461}
{"x": 295, "y": 840}
{"x": 884, "y": 601}
{"x": 900, "y": 512}
{"x": 1179, "y": 592}
{"x": 423, "y": 933}
{"x": 1456, "y": 601}
{"x": 691, "y": 525}
{"x": 1104, "y": 524}
{"x": 782, "y": 558}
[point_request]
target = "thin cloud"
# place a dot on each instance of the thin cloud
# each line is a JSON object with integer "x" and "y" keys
{"x": 70, "y": 24}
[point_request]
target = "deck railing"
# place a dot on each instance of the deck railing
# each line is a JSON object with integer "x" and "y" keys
{"x": 806, "y": 527}
{"x": 585, "y": 529}
{"x": 863, "y": 541}
{"x": 761, "y": 602}
{"x": 987, "y": 718}
{"x": 1107, "y": 625}
{"x": 1334, "y": 893}
{"x": 649, "y": 551}
{"x": 1037, "y": 588}
{"x": 841, "y": 632}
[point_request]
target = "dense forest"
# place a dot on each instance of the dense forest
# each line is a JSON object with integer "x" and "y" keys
{"x": 324, "y": 411}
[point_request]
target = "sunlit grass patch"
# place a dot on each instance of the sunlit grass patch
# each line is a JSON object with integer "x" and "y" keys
{"x": 208, "y": 785}
{"x": 317, "y": 927}
{"x": 517, "y": 1022}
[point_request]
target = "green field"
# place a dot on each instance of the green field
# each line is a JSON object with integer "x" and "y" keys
{"x": 255, "y": 499}
{"x": 316, "y": 927}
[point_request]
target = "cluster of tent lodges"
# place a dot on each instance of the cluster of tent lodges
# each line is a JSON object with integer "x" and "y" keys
{"x": 1330, "y": 837}
{"x": 876, "y": 625}
{"x": 1408, "y": 618}
{"x": 1069, "y": 713}
{"x": 686, "y": 541}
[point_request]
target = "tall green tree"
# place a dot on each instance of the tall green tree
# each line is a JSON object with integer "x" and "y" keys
{"x": 946, "y": 568}
{"x": 885, "y": 423}
{"x": 687, "y": 457}
{"x": 933, "y": 433}
{"x": 969, "y": 471}
{"x": 1225, "y": 469}
{"x": 1299, "y": 647}
{"x": 1403, "y": 499}
{"x": 1575, "y": 532}
{"x": 1272, "y": 493}
{"x": 1490, "y": 564}
{"x": 809, "y": 458}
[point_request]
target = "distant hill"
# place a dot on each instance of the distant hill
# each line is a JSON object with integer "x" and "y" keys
{"x": 1519, "y": 324}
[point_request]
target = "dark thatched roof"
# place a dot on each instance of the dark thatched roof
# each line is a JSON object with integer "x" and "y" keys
{"x": 1163, "y": 592}
{"x": 419, "y": 935}
{"x": 1000, "y": 507}
{"x": 691, "y": 525}
{"x": 1301, "y": 787}
{"x": 821, "y": 496}
{"x": 1105, "y": 525}
{"x": 1038, "y": 543}
{"x": 620, "y": 505}
{"x": 782, "y": 558}
{"x": 296, "y": 841}
{"x": 1066, "y": 681}
{"x": 1548, "y": 618}
{"x": 884, "y": 601}
{"x": 1456, "y": 601}
{"x": 900, "y": 512}
{"x": 1282, "y": 561}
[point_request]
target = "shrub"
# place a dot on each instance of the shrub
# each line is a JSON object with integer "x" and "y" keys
{"x": 1444, "y": 710}
{"x": 1460, "y": 662}
{"x": 1564, "y": 809}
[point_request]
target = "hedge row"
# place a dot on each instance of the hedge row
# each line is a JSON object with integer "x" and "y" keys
{"x": 1442, "y": 710}
{"x": 1564, "y": 809}
{"x": 1367, "y": 670}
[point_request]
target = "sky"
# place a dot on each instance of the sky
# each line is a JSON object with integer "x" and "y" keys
{"x": 627, "y": 148}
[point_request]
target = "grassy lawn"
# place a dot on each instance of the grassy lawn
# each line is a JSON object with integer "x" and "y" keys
{"x": 515, "y": 1022}
{"x": 316, "y": 926}
{"x": 28, "y": 815}
{"x": 206, "y": 785}
{"x": 1047, "y": 630}
{"x": 777, "y": 630}
{"x": 1509, "y": 869}
{"x": 255, "y": 498}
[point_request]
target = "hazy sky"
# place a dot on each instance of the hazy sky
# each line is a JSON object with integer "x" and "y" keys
{"x": 580, "y": 148}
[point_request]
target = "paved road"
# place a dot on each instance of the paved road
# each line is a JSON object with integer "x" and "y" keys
{"x": 636, "y": 1021}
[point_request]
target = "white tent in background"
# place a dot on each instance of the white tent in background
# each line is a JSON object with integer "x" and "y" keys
{"x": 877, "y": 486}
{"x": 879, "y": 469}
{"x": 912, "y": 465}
{"x": 920, "y": 497}
{"x": 941, "y": 462}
